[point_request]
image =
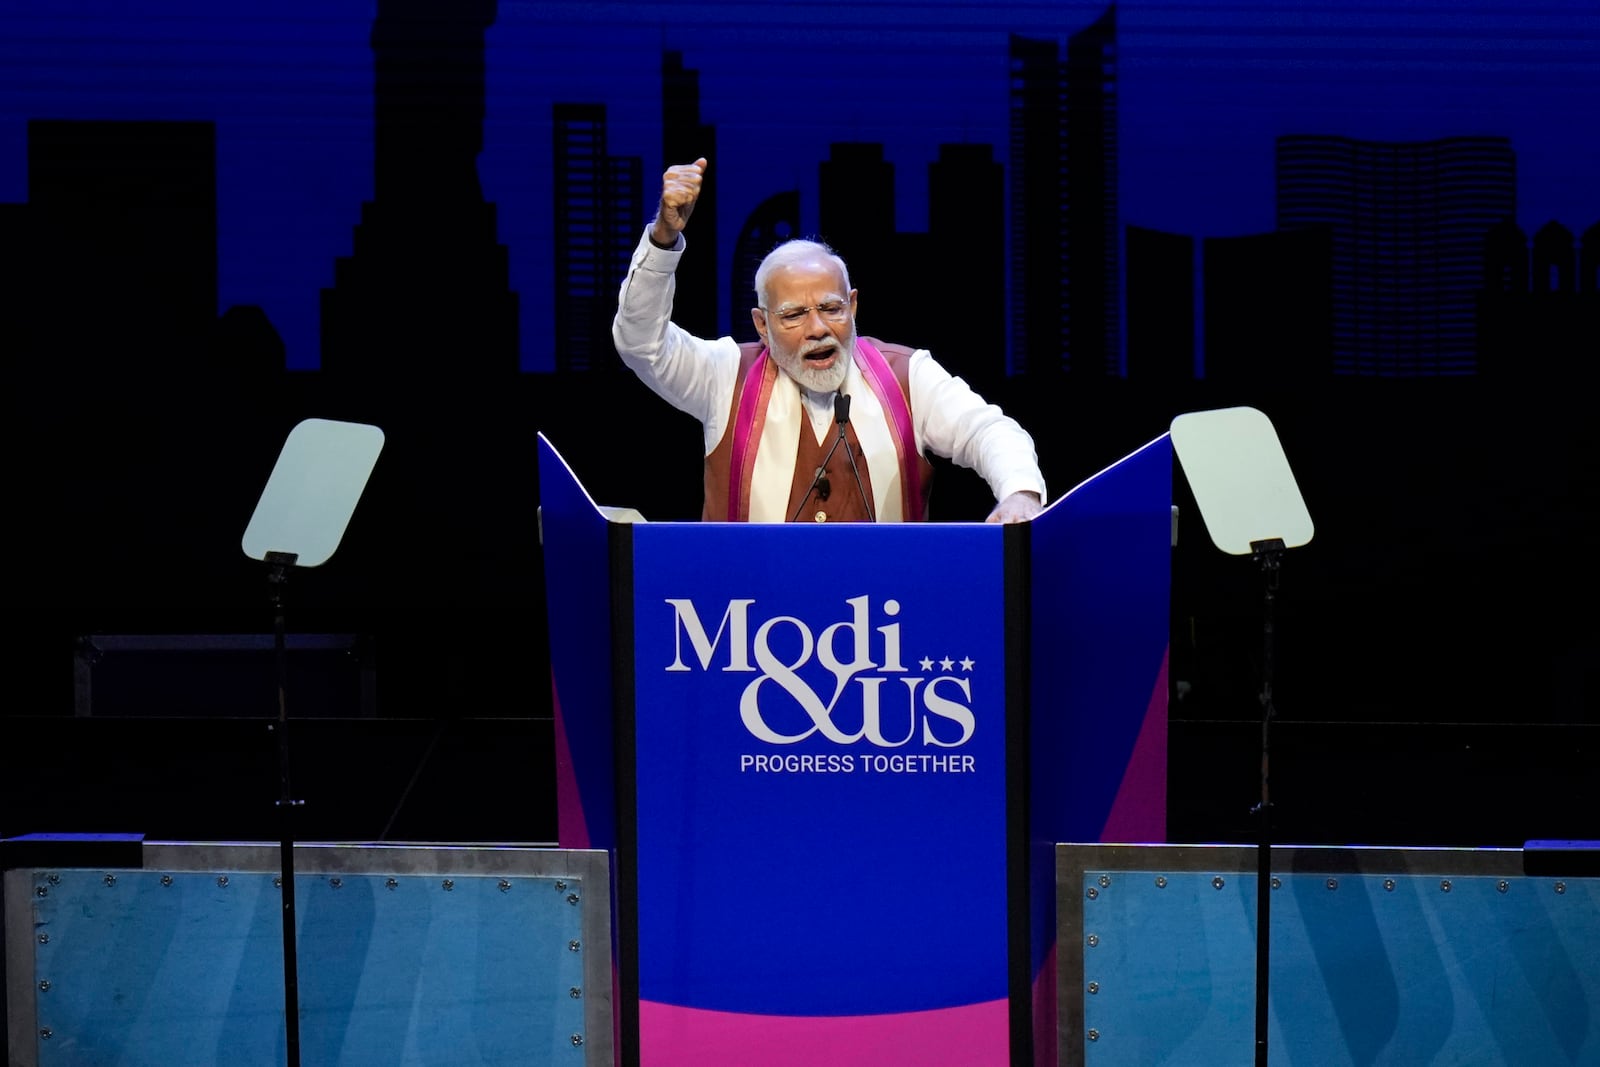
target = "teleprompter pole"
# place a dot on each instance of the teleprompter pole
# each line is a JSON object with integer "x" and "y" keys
{"x": 278, "y": 566}
{"x": 1268, "y": 554}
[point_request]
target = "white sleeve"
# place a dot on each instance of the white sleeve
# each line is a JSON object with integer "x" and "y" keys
{"x": 692, "y": 374}
{"x": 956, "y": 423}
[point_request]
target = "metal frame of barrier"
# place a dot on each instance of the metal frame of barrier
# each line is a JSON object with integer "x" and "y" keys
{"x": 1378, "y": 955}
{"x": 163, "y": 943}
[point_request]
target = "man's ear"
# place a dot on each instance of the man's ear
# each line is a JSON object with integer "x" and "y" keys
{"x": 759, "y": 319}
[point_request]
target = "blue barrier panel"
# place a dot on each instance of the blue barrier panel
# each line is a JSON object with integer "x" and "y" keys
{"x": 459, "y": 963}
{"x": 1378, "y": 956}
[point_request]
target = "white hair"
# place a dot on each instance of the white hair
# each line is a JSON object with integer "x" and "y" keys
{"x": 794, "y": 251}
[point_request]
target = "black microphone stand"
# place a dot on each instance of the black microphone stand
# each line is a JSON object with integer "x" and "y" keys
{"x": 841, "y": 416}
{"x": 1268, "y": 554}
{"x": 278, "y": 564}
{"x": 841, "y": 409}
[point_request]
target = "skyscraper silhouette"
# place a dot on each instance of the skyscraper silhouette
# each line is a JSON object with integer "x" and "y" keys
{"x": 1409, "y": 224}
{"x": 857, "y": 210}
{"x": 966, "y": 227}
{"x": 1065, "y": 225}
{"x": 1267, "y": 307}
{"x": 1538, "y": 314}
{"x": 1092, "y": 239}
{"x": 599, "y": 211}
{"x": 428, "y": 284}
{"x": 856, "y": 186}
{"x": 123, "y": 268}
{"x": 1038, "y": 208}
{"x": 1161, "y": 305}
{"x": 684, "y": 138}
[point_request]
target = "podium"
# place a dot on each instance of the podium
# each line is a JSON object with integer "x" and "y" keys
{"x": 831, "y": 762}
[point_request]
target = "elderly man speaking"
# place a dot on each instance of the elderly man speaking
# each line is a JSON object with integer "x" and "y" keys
{"x": 812, "y": 422}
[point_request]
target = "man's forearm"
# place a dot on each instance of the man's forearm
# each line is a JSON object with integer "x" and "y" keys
{"x": 644, "y": 302}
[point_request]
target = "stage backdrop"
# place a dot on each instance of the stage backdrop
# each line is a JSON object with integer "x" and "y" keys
{"x": 1376, "y": 226}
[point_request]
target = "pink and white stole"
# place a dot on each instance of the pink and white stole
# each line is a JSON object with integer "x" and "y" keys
{"x": 875, "y": 371}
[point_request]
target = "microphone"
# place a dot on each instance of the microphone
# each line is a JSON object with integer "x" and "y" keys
{"x": 841, "y": 415}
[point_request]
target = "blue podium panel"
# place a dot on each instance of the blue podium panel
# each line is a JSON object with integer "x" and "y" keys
{"x": 160, "y": 967}
{"x": 1100, "y": 606}
{"x": 1101, "y": 573}
{"x": 1378, "y": 956}
{"x": 821, "y": 787}
{"x": 578, "y": 585}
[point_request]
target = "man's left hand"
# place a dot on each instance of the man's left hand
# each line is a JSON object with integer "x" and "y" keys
{"x": 1018, "y": 507}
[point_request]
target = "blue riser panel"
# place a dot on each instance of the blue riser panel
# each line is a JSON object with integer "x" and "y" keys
{"x": 160, "y": 969}
{"x": 1365, "y": 969}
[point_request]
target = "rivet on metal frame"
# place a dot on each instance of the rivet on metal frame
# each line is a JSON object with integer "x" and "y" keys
{"x": 1561, "y": 887}
{"x": 1333, "y": 883}
{"x": 166, "y": 880}
{"x": 505, "y": 886}
{"x": 1161, "y": 881}
{"x": 1093, "y": 893}
{"x": 1277, "y": 883}
{"x": 1217, "y": 882}
{"x": 1502, "y": 885}
{"x": 277, "y": 881}
{"x": 1444, "y": 885}
{"x": 572, "y": 898}
{"x": 1093, "y": 1035}
{"x": 391, "y": 883}
{"x": 53, "y": 879}
{"x": 1094, "y": 987}
{"x": 110, "y": 880}
{"x": 1388, "y": 885}
{"x": 449, "y": 884}
{"x": 46, "y": 1033}
{"x": 1105, "y": 880}
{"x": 561, "y": 887}
{"x": 577, "y": 1039}
{"x": 44, "y": 939}
{"x": 574, "y": 946}
{"x": 43, "y": 891}
{"x": 1094, "y": 939}
{"x": 44, "y": 985}
{"x": 222, "y": 881}
{"x": 575, "y": 993}
{"x": 336, "y": 883}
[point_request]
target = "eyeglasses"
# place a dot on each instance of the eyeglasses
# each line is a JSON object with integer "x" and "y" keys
{"x": 791, "y": 318}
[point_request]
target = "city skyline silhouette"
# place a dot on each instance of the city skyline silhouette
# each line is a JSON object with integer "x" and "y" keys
{"x": 532, "y": 61}
{"x": 1422, "y": 342}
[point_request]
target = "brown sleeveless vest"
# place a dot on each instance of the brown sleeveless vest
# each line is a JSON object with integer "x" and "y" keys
{"x": 843, "y": 502}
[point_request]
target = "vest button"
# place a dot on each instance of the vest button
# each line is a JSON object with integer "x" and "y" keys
{"x": 822, "y": 516}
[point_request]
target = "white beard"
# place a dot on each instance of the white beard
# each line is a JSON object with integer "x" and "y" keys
{"x": 825, "y": 380}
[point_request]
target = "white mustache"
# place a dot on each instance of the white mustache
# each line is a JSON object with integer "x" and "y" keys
{"x": 828, "y": 345}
